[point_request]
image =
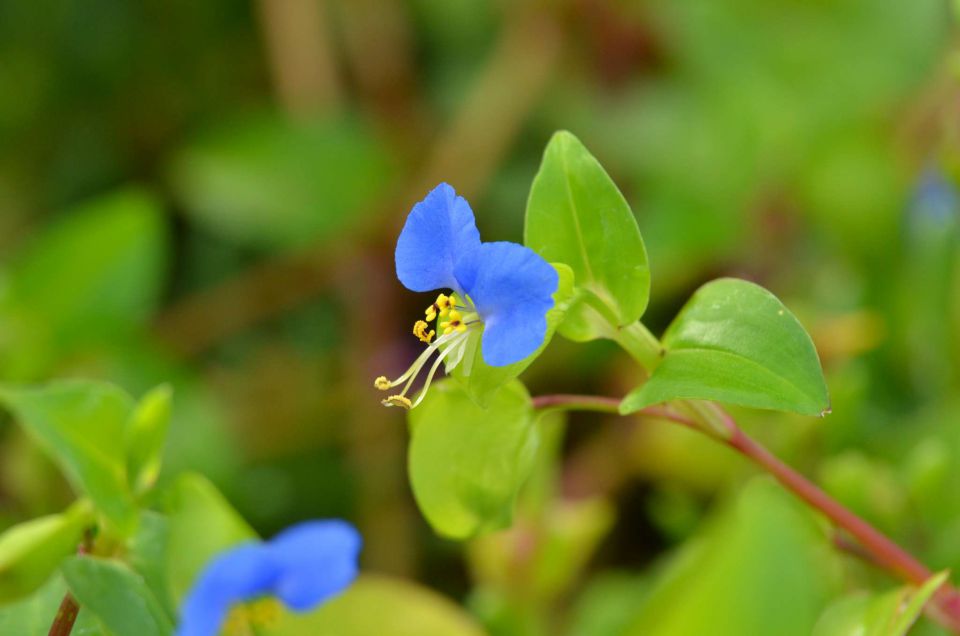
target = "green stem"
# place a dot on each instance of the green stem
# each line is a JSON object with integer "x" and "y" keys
{"x": 642, "y": 345}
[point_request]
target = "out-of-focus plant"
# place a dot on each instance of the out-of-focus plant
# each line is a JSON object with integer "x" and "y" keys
{"x": 475, "y": 435}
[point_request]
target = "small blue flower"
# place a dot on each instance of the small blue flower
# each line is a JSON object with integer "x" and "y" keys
{"x": 504, "y": 288}
{"x": 302, "y": 566}
{"x": 935, "y": 200}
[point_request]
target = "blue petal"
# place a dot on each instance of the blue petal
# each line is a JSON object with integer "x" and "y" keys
{"x": 242, "y": 573}
{"x": 439, "y": 230}
{"x": 512, "y": 287}
{"x": 317, "y": 559}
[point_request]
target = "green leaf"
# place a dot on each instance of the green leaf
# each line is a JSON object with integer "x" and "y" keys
{"x": 467, "y": 463}
{"x": 890, "y": 614}
{"x": 763, "y": 567}
{"x": 202, "y": 524}
{"x": 268, "y": 182}
{"x": 31, "y": 551}
{"x": 576, "y": 215}
{"x": 146, "y": 434}
{"x": 81, "y": 425}
{"x": 400, "y": 608}
{"x": 147, "y": 555}
{"x": 34, "y": 615}
{"x": 116, "y": 595}
{"x": 483, "y": 381}
{"x": 734, "y": 342}
{"x": 93, "y": 275}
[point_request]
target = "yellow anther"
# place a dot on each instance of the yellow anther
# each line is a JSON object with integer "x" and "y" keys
{"x": 454, "y": 324}
{"x": 398, "y": 400}
{"x": 420, "y": 331}
{"x": 441, "y": 306}
{"x": 382, "y": 383}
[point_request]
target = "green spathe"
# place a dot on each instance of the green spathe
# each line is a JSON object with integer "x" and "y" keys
{"x": 467, "y": 463}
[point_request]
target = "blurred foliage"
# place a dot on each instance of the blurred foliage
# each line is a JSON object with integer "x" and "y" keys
{"x": 170, "y": 215}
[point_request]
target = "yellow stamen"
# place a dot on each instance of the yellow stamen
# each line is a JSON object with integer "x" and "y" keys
{"x": 382, "y": 383}
{"x": 398, "y": 400}
{"x": 454, "y": 324}
{"x": 441, "y": 307}
{"x": 420, "y": 331}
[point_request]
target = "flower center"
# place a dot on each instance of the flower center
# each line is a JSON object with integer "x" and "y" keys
{"x": 459, "y": 318}
{"x": 245, "y": 618}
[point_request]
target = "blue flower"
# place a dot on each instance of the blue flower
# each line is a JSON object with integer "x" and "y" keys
{"x": 302, "y": 566}
{"x": 503, "y": 288}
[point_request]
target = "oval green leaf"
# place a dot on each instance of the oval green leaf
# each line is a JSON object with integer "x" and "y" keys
{"x": 116, "y": 595}
{"x": 480, "y": 379}
{"x": 735, "y": 342}
{"x": 81, "y": 425}
{"x": 467, "y": 463}
{"x": 576, "y": 215}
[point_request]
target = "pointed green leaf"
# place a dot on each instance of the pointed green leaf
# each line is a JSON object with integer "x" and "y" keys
{"x": 401, "y": 609}
{"x": 576, "y": 215}
{"x": 116, "y": 595}
{"x": 146, "y": 434}
{"x": 483, "y": 381}
{"x": 734, "y": 342}
{"x": 467, "y": 463}
{"x": 890, "y": 614}
{"x": 31, "y": 551}
{"x": 81, "y": 425}
{"x": 202, "y": 524}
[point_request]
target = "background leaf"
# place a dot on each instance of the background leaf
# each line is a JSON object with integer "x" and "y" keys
{"x": 202, "y": 524}
{"x": 146, "y": 435}
{"x": 577, "y": 216}
{"x": 402, "y": 609}
{"x": 31, "y": 551}
{"x": 466, "y": 463}
{"x": 734, "y": 342}
{"x": 483, "y": 381}
{"x": 890, "y": 614}
{"x": 34, "y": 615}
{"x": 116, "y": 595}
{"x": 92, "y": 276}
{"x": 81, "y": 425}
{"x": 764, "y": 568}
{"x": 268, "y": 182}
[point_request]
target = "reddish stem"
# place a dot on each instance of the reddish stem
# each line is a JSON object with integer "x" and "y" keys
{"x": 879, "y": 548}
{"x": 66, "y": 616}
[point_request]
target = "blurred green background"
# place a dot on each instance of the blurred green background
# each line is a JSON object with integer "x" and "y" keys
{"x": 208, "y": 193}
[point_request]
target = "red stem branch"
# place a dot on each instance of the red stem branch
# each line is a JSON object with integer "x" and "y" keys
{"x": 880, "y": 549}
